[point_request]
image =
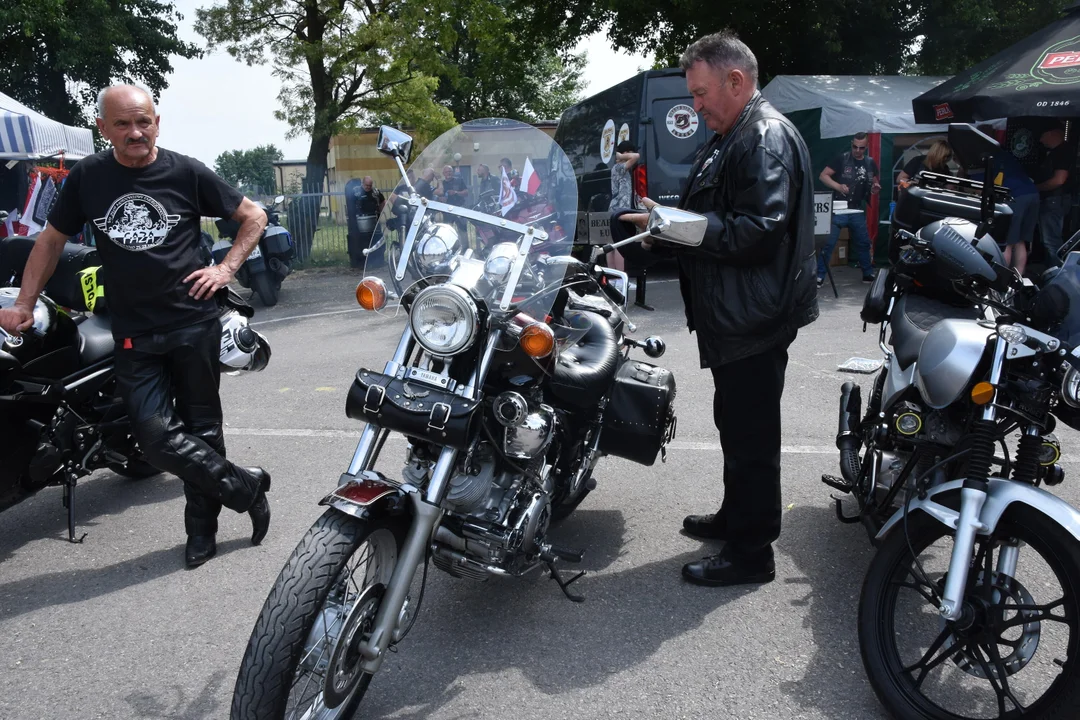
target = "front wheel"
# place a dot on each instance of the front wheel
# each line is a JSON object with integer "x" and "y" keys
{"x": 302, "y": 659}
{"x": 1016, "y": 649}
{"x": 265, "y": 286}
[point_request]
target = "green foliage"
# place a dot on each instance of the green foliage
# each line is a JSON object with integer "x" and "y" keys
{"x": 249, "y": 169}
{"x": 56, "y": 54}
{"x": 843, "y": 37}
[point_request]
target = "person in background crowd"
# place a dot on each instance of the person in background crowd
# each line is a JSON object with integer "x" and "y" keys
{"x": 453, "y": 189}
{"x": 622, "y": 190}
{"x": 371, "y": 200}
{"x": 508, "y": 165}
{"x": 486, "y": 184}
{"x": 1025, "y": 203}
{"x": 165, "y": 318}
{"x": 747, "y": 288}
{"x": 935, "y": 160}
{"x": 425, "y": 186}
{"x": 852, "y": 176}
{"x": 1052, "y": 182}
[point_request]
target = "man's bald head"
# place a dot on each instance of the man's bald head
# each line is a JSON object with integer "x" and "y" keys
{"x": 125, "y": 94}
{"x": 128, "y": 119}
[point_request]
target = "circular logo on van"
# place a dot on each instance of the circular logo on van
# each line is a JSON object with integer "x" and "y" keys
{"x": 624, "y": 134}
{"x": 607, "y": 141}
{"x": 682, "y": 121}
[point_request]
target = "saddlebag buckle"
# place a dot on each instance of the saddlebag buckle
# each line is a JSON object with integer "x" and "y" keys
{"x": 440, "y": 413}
{"x": 370, "y": 405}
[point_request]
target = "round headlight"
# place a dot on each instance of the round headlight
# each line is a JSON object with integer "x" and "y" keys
{"x": 444, "y": 319}
{"x": 436, "y": 248}
{"x": 499, "y": 262}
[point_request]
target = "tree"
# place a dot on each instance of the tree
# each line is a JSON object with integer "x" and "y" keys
{"x": 841, "y": 37}
{"x": 496, "y": 63}
{"x": 56, "y": 54}
{"x": 249, "y": 169}
{"x": 341, "y": 62}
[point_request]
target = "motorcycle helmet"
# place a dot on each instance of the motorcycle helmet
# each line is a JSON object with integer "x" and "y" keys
{"x": 242, "y": 349}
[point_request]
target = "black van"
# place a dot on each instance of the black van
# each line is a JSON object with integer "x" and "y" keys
{"x": 652, "y": 110}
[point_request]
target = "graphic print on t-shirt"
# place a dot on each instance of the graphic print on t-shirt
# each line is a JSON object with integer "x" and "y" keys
{"x": 137, "y": 222}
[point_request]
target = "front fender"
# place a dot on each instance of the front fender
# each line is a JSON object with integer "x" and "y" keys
{"x": 999, "y": 496}
{"x": 356, "y": 493}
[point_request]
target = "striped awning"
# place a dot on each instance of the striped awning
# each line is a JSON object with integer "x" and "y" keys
{"x": 28, "y": 135}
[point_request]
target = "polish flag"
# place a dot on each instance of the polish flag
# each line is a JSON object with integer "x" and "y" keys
{"x": 530, "y": 181}
{"x": 507, "y": 196}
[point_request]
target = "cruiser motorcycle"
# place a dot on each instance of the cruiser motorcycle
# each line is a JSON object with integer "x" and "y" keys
{"x": 61, "y": 418}
{"x": 971, "y": 606}
{"x": 510, "y": 380}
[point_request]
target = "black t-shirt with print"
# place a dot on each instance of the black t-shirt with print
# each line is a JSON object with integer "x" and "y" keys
{"x": 146, "y": 226}
{"x": 858, "y": 175}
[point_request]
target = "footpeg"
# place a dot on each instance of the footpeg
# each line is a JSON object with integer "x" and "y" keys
{"x": 834, "y": 482}
{"x": 554, "y": 551}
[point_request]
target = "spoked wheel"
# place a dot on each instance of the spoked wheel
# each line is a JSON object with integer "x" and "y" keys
{"x": 303, "y": 662}
{"x": 1016, "y": 650}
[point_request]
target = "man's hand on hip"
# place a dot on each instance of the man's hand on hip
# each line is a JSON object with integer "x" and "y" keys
{"x": 16, "y": 320}
{"x": 207, "y": 281}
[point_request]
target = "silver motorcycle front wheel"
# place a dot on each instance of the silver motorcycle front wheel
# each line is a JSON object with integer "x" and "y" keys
{"x": 1015, "y": 652}
{"x": 302, "y": 661}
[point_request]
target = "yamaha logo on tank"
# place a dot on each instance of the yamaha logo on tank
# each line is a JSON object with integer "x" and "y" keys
{"x": 137, "y": 222}
{"x": 1060, "y": 63}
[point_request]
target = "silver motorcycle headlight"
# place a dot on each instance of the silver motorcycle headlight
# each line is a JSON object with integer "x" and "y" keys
{"x": 444, "y": 319}
{"x": 499, "y": 262}
{"x": 436, "y": 248}
{"x": 1070, "y": 386}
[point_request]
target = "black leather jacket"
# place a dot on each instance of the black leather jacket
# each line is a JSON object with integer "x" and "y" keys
{"x": 752, "y": 283}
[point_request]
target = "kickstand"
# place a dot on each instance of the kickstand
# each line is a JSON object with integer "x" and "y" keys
{"x": 840, "y": 513}
{"x": 69, "y": 503}
{"x": 564, "y": 585}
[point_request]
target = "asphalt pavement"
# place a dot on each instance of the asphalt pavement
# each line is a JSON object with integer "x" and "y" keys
{"x": 117, "y": 628}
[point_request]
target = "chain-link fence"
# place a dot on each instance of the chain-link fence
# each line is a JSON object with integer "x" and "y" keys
{"x": 318, "y": 225}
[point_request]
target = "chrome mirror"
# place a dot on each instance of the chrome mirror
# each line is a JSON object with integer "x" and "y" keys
{"x": 678, "y": 227}
{"x": 394, "y": 142}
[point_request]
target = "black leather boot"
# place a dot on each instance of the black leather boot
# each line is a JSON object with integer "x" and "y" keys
{"x": 706, "y": 527}
{"x": 260, "y": 510}
{"x": 200, "y": 548}
{"x": 730, "y": 568}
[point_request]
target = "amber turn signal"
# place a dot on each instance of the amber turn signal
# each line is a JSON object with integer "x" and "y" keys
{"x": 982, "y": 393}
{"x": 537, "y": 340}
{"x": 371, "y": 294}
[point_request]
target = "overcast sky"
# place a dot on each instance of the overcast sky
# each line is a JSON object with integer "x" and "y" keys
{"x": 217, "y": 104}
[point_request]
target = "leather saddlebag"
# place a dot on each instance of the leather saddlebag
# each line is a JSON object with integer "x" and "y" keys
{"x": 640, "y": 417}
{"x": 413, "y": 408}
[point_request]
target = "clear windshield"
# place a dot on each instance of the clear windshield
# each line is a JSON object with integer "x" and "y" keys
{"x": 492, "y": 209}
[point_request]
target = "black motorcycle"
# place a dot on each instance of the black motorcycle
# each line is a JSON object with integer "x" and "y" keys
{"x": 269, "y": 263}
{"x": 61, "y": 417}
{"x": 511, "y": 379}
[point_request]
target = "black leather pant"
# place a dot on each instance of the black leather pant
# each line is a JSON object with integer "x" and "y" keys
{"x": 746, "y": 409}
{"x": 169, "y": 382}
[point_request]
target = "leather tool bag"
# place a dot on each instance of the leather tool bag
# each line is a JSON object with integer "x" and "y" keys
{"x": 639, "y": 420}
{"x": 413, "y": 409}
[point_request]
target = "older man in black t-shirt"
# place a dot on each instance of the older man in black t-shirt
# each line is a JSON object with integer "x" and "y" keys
{"x": 145, "y": 204}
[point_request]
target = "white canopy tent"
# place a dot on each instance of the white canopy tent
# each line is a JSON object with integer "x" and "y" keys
{"x": 854, "y": 103}
{"x": 26, "y": 134}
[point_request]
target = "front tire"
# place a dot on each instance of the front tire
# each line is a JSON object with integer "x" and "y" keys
{"x": 998, "y": 661}
{"x": 295, "y": 665}
{"x": 264, "y": 286}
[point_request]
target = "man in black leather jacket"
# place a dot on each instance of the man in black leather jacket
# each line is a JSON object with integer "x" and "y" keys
{"x": 748, "y": 288}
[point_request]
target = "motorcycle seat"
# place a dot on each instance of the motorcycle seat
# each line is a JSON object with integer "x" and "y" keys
{"x": 95, "y": 339}
{"x": 584, "y": 371}
{"x": 911, "y": 321}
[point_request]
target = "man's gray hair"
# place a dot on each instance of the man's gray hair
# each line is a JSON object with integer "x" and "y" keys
{"x": 101, "y": 96}
{"x": 722, "y": 51}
